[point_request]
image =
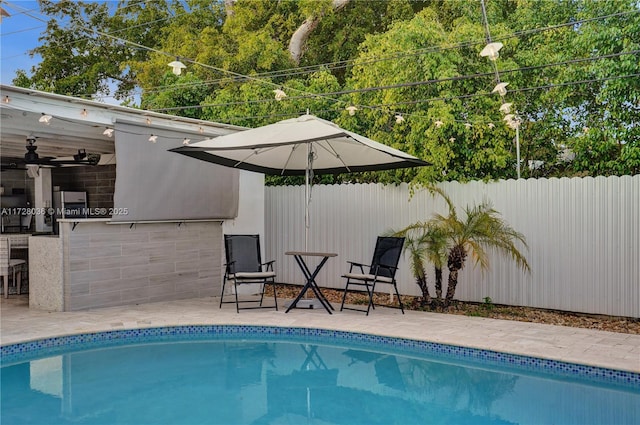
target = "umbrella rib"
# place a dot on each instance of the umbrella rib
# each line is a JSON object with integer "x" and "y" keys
{"x": 333, "y": 152}
{"x": 293, "y": 148}
{"x": 253, "y": 152}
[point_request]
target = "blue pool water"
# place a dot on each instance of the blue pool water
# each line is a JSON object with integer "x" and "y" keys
{"x": 270, "y": 375}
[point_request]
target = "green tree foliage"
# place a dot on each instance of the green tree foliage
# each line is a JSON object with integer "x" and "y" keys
{"x": 572, "y": 68}
{"x": 73, "y": 59}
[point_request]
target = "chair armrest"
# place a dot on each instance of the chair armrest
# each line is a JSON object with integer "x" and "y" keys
{"x": 269, "y": 265}
{"x": 393, "y": 269}
{"x": 359, "y": 265}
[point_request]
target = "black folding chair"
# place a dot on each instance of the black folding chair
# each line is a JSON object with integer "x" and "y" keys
{"x": 382, "y": 269}
{"x": 245, "y": 266}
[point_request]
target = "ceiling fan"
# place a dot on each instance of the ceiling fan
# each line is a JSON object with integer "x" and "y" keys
{"x": 80, "y": 158}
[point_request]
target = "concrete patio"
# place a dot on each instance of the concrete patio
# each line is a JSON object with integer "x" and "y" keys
{"x": 575, "y": 345}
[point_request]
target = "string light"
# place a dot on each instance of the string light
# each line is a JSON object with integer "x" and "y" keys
{"x": 279, "y": 94}
{"x": 491, "y": 50}
{"x": 352, "y": 110}
{"x": 108, "y": 132}
{"x": 45, "y": 119}
{"x": 6, "y": 99}
{"x": 500, "y": 88}
{"x": 490, "y": 56}
{"x": 177, "y": 67}
{"x": 84, "y": 113}
{"x": 186, "y": 141}
{"x": 153, "y": 139}
{"x": 399, "y": 119}
{"x": 505, "y": 108}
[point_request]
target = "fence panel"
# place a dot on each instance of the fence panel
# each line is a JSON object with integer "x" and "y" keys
{"x": 583, "y": 236}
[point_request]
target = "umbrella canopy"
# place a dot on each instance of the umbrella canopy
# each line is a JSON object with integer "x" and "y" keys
{"x": 297, "y": 146}
{"x": 305, "y": 145}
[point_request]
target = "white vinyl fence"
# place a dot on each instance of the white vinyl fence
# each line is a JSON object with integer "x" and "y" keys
{"x": 583, "y": 236}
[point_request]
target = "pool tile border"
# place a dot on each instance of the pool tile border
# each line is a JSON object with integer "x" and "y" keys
{"x": 25, "y": 351}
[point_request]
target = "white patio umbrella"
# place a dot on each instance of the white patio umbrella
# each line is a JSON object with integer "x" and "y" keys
{"x": 306, "y": 145}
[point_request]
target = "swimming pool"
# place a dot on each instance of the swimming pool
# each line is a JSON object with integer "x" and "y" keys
{"x": 264, "y": 374}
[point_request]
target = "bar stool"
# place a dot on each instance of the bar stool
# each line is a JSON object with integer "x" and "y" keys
{"x": 9, "y": 266}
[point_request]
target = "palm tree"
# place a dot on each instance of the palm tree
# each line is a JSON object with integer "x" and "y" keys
{"x": 425, "y": 242}
{"x": 437, "y": 254}
{"x": 482, "y": 229}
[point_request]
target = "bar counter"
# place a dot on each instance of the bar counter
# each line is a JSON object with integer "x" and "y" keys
{"x": 94, "y": 263}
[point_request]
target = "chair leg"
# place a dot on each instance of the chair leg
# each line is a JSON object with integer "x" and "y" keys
{"x": 235, "y": 282}
{"x": 344, "y": 296}
{"x": 370, "y": 293}
{"x": 224, "y": 282}
{"x": 398, "y": 295}
{"x": 275, "y": 298}
{"x": 18, "y": 282}
{"x": 5, "y": 280}
{"x": 264, "y": 288}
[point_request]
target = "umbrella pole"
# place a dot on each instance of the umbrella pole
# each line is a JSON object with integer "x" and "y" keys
{"x": 306, "y": 211}
{"x": 307, "y": 197}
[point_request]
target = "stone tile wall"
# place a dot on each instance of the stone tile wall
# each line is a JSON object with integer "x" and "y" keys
{"x": 98, "y": 181}
{"x": 109, "y": 265}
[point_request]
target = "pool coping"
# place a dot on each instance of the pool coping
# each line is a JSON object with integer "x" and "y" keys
{"x": 560, "y": 343}
{"x": 516, "y": 363}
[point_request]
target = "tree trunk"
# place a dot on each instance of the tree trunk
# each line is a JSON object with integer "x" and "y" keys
{"x": 301, "y": 35}
{"x": 422, "y": 283}
{"x": 451, "y": 287}
{"x": 455, "y": 263}
{"x": 438, "y": 282}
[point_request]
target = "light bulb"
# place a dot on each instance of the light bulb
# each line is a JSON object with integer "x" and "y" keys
{"x": 500, "y": 88}
{"x": 177, "y": 67}
{"x": 491, "y": 50}
{"x": 279, "y": 94}
{"x": 352, "y": 110}
{"x": 505, "y": 108}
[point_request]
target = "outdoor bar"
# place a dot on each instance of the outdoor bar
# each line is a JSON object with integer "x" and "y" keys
{"x": 135, "y": 224}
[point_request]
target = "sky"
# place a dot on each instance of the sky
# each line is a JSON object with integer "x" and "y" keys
{"x": 18, "y": 34}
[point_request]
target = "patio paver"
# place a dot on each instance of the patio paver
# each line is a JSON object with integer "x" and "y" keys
{"x": 575, "y": 345}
